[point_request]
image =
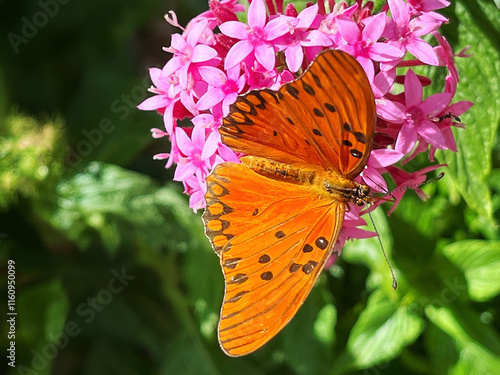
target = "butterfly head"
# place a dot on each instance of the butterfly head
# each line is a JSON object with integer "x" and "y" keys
{"x": 360, "y": 195}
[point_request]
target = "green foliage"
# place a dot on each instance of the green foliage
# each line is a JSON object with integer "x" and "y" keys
{"x": 115, "y": 276}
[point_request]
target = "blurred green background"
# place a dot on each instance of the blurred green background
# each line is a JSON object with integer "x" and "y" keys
{"x": 113, "y": 272}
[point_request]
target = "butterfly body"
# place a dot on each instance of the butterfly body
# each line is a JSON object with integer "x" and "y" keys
{"x": 325, "y": 184}
{"x": 274, "y": 219}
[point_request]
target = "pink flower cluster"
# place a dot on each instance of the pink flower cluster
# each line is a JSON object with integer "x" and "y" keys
{"x": 209, "y": 69}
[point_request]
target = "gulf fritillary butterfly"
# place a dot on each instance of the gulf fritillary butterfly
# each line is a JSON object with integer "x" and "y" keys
{"x": 274, "y": 219}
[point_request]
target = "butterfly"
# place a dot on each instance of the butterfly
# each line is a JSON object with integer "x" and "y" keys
{"x": 274, "y": 219}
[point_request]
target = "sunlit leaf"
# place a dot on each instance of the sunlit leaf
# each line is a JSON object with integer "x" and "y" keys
{"x": 480, "y": 262}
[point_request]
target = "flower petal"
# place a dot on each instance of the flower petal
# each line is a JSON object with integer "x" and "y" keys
{"x": 234, "y": 29}
{"x": 183, "y": 171}
{"x": 422, "y": 51}
{"x": 399, "y": 11}
{"x": 384, "y": 52}
{"x": 391, "y": 111}
{"x": 406, "y": 139}
{"x": 257, "y": 14}
{"x": 211, "y": 145}
{"x": 348, "y": 29}
{"x": 432, "y": 134}
{"x": 237, "y": 54}
{"x": 384, "y": 157}
{"x": 413, "y": 90}
{"x": 213, "y": 76}
{"x": 212, "y": 97}
{"x": 203, "y": 53}
{"x": 184, "y": 143}
{"x": 374, "y": 27}
{"x": 436, "y": 103}
{"x": 195, "y": 31}
{"x": 265, "y": 55}
{"x": 279, "y": 26}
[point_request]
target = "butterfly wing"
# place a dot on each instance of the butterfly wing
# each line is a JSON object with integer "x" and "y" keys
{"x": 273, "y": 239}
{"x": 324, "y": 118}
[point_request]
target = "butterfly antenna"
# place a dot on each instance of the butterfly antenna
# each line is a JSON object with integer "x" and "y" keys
{"x": 394, "y": 282}
{"x": 384, "y": 190}
{"x": 414, "y": 186}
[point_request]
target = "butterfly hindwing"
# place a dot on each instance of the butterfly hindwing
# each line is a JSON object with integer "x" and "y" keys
{"x": 324, "y": 118}
{"x": 273, "y": 239}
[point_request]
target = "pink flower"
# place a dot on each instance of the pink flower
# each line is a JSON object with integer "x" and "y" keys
{"x": 406, "y": 180}
{"x": 255, "y": 37}
{"x": 418, "y": 7}
{"x": 165, "y": 99}
{"x": 329, "y": 26}
{"x": 364, "y": 45}
{"x": 445, "y": 55}
{"x": 187, "y": 51}
{"x": 223, "y": 88}
{"x": 196, "y": 190}
{"x": 404, "y": 32}
{"x": 196, "y": 153}
{"x": 415, "y": 116}
{"x": 210, "y": 121}
{"x": 379, "y": 159}
{"x": 300, "y": 36}
{"x": 223, "y": 11}
{"x": 259, "y": 77}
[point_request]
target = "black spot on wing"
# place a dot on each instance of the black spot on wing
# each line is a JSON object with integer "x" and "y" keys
{"x": 309, "y": 267}
{"x": 318, "y": 112}
{"x": 330, "y": 107}
{"x": 345, "y": 142}
{"x": 293, "y": 91}
{"x": 279, "y": 234}
{"x": 268, "y": 275}
{"x": 360, "y": 137}
{"x": 347, "y": 127}
{"x": 356, "y": 153}
{"x": 308, "y": 88}
{"x": 264, "y": 259}
{"x": 294, "y": 267}
{"x": 231, "y": 263}
{"x": 237, "y": 296}
{"x": 316, "y": 80}
{"x": 322, "y": 243}
{"x": 317, "y": 132}
{"x": 307, "y": 248}
{"x": 239, "y": 278}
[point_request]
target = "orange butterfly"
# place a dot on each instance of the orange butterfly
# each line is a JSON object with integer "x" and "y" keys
{"x": 274, "y": 219}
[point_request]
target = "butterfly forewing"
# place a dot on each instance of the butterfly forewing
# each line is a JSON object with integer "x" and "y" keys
{"x": 325, "y": 118}
{"x": 273, "y": 241}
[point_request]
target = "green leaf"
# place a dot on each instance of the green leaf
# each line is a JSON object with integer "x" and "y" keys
{"x": 324, "y": 326}
{"x": 480, "y": 262}
{"x": 186, "y": 357}
{"x": 471, "y": 165}
{"x": 383, "y": 329}
{"x": 117, "y": 207}
{"x": 304, "y": 351}
{"x": 478, "y": 345}
{"x": 441, "y": 349}
{"x": 369, "y": 252}
{"x": 42, "y": 311}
